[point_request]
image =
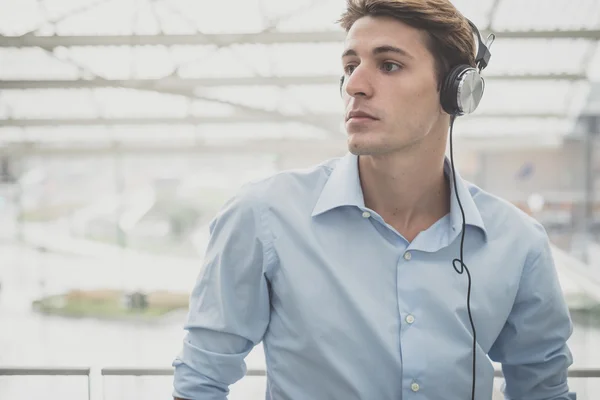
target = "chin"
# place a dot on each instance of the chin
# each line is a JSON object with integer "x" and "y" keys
{"x": 377, "y": 143}
{"x": 367, "y": 147}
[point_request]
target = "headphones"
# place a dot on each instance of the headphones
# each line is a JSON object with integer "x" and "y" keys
{"x": 463, "y": 87}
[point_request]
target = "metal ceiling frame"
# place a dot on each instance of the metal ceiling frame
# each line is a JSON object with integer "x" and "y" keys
{"x": 188, "y": 91}
{"x": 189, "y": 87}
{"x": 171, "y": 121}
{"x": 318, "y": 148}
{"x": 289, "y": 146}
{"x": 331, "y": 120}
{"x": 229, "y": 39}
{"x": 178, "y": 83}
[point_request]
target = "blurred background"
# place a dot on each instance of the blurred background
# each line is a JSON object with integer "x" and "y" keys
{"x": 126, "y": 124}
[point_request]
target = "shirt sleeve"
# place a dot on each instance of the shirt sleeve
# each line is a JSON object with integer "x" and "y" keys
{"x": 532, "y": 346}
{"x": 229, "y": 305}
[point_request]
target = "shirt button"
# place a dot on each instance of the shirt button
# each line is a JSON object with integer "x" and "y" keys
{"x": 410, "y": 319}
{"x": 415, "y": 387}
{"x": 407, "y": 255}
{"x": 366, "y": 214}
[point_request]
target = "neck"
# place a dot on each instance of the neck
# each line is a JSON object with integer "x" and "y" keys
{"x": 409, "y": 190}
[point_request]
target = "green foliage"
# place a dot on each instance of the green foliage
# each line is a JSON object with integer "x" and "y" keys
{"x": 106, "y": 305}
{"x": 48, "y": 213}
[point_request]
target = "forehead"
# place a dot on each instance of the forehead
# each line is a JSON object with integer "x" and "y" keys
{"x": 370, "y": 32}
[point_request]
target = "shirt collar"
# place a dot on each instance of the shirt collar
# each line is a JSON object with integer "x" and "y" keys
{"x": 472, "y": 214}
{"x": 343, "y": 189}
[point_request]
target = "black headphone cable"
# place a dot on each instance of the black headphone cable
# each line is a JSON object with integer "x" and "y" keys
{"x": 458, "y": 263}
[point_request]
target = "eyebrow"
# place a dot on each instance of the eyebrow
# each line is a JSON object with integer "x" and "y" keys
{"x": 380, "y": 50}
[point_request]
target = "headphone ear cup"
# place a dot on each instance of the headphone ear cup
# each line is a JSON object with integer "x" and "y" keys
{"x": 449, "y": 91}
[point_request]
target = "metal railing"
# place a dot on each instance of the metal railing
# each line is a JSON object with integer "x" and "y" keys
{"x": 28, "y": 371}
{"x": 91, "y": 373}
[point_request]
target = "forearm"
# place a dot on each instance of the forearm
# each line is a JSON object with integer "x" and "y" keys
{"x": 229, "y": 306}
{"x": 198, "y": 377}
{"x": 566, "y": 396}
{"x": 532, "y": 346}
{"x": 208, "y": 364}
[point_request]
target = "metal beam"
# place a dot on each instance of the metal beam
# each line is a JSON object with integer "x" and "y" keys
{"x": 226, "y": 39}
{"x": 592, "y": 34}
{"x": 223, "y": 39}
{"x": 132, "y": 371}
{"x": 327, "y": 147}
{"x": 44, "y": 371}
{"x": 491, "y": 15}
{"x": 170, "y": 82}
{"x": 322, "y": 120}
{"x": 324, "y": 147}
{"x": 176, "y": 83}
{"x": 236, "y": 118}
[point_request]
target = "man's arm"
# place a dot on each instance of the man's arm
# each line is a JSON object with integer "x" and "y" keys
{"x": 229, "y": 306}
{"x": 532, "y": 346}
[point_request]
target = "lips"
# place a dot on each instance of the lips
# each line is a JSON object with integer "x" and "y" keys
{"x": 360, "y": 115}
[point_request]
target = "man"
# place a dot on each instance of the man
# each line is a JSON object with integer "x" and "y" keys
{"x": 345, "y": 271}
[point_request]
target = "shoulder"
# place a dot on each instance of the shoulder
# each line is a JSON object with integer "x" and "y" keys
{"x": 502, "y": 219}
{"x": 289, "y": 185}
{"x": 284, "y": 189}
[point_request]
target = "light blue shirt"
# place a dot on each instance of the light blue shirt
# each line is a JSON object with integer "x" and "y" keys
{"x": 348, "y": 309}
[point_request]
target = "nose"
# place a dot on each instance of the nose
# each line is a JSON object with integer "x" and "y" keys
{"x": 358, "y": 83}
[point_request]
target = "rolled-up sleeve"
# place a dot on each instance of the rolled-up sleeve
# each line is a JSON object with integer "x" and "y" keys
{"x": 229, "y": 305}
{"x": 532, "y": 346}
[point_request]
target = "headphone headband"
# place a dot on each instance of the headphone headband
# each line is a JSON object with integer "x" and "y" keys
{"x": 483, "y": 51}
{"x": 463, "y": 86}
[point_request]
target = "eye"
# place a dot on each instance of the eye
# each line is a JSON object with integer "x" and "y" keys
{"x": 349, "y": 68}
{"x": 390, "y": 66}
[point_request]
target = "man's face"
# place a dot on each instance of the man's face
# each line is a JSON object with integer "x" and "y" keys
{"x": 389, "y": 75}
